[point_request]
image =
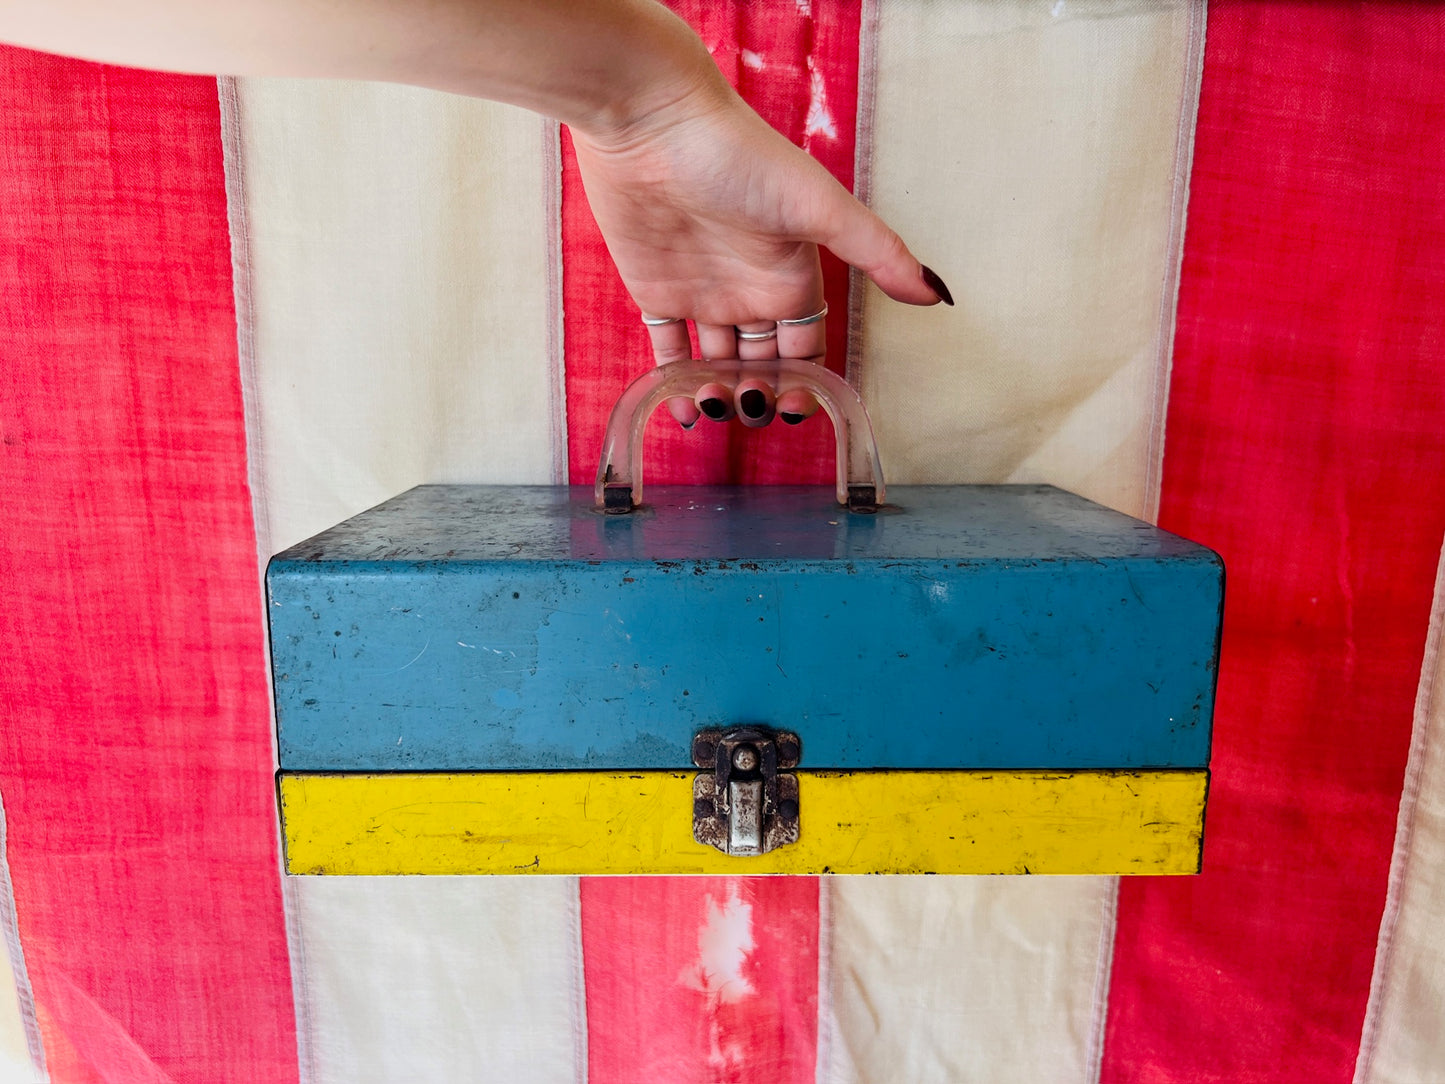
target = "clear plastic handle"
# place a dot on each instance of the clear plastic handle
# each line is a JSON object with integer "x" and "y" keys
{"x": 619, "y": 475}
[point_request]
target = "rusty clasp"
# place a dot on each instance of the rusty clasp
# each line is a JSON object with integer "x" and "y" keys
{"x": 745, "y": 802}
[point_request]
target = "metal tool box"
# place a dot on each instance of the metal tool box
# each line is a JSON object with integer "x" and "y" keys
{"x": 960, "y": 679}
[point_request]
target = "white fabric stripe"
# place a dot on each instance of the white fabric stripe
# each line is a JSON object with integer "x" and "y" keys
{"x": 442, "y": 979}
{"x": 394, "y": 262}
{"x": 1043, "y": 175}
{"x": 398, "y": 294}
{"x": 1402, "y": 1040}
{"x": 22, "y": 1053}
{"x": 952, "y": 979}
{"x": 1037, "y": 176}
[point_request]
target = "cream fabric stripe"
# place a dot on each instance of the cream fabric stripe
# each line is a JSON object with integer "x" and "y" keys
{"x": 954, "y": 979}
{"x": 1402, "y": 1041}
{"x": 467, "y": 979}
{"x": 1037, "y": 175}
{"x": 393, "y": 270}
{"x": 398, "y": 294}
{"x": 1043, "y": 174}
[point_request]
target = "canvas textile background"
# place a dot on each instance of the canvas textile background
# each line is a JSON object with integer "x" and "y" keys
{"x": 166, "y": 419}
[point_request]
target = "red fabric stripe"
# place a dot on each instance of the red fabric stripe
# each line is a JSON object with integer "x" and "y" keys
{"x": 1305, "y": 443}
{"x": 136, "y": 769}
{"x": 606, "y": 342}
{"x": 646, "y": 1017}
{"x": 701, "y": 980}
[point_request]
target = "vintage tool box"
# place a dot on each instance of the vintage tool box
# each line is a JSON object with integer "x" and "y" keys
{"x": 969, "y": 679}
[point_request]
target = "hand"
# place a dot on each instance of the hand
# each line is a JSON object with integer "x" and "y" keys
{"x": 710, "y": 215}
{"x": 714, "y": 217}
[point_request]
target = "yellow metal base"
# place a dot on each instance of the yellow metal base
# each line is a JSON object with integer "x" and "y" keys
{"x": 641, "y": 823}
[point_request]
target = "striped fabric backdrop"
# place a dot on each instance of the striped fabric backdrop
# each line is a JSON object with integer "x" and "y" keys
{"x": 1201, "y": 278}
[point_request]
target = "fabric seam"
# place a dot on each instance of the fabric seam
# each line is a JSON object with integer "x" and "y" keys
{"x": 1103, "y": 974}
{"x": 1401, "y": 856}
{"x": 1186, "y": 125}
{"x": 862, "y": 176}
{"x": 823, "y": 1044}
{"x": 233, "y": 160}
{"x": 10, "y": 924}
{"x": 556, "y": 329}
{"x": 1174, "y": 254}
{"x": 579, "y": 983}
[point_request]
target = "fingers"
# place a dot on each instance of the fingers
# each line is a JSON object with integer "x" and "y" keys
{"x": 670, "y": 343}
{"x": 757, "y": 341}
{"x": 683, "y": 411}
{"x": 715, "y": 401}
{"x": 808, "y": 341}
{"x": 796, "y": 406}
{"x": 717, "y": 341}
{"x": 755, "y": 403}
{"x": 859, "y": 237}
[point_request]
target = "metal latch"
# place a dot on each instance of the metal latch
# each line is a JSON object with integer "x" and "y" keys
{"x": 746, "y": 802}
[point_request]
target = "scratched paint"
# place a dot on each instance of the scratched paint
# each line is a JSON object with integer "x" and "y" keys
{"x": 502, "y": 627}
{"x": 641, "y": 823}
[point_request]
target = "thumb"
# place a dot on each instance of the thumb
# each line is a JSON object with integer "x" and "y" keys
{"x": 859, "y": 237}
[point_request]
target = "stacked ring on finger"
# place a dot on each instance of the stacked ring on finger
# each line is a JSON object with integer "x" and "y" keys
{"x": 758, "y": 336}
{"x": 661, "y": 321}
{"x": 804, "y": 321}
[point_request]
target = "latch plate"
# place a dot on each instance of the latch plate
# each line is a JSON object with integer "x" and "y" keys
{"x": 746, "y": 801}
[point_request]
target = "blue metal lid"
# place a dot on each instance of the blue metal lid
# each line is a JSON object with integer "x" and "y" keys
{"x": 466, "y": 627}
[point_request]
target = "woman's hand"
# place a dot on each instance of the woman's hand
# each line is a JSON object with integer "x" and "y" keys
{"x": 714, "y": 217}
{"x": 710, "y": 215}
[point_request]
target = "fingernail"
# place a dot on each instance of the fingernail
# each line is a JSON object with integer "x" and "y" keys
{"x": 683, "y": 411}
{"x": 715, "y": 400}
{"x": 936, "y": 284}
{"x": 755, "y": 402}
{"x": 796, "y": 405}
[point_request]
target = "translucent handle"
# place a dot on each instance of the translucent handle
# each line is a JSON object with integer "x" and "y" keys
{"x": 619, "y": 475}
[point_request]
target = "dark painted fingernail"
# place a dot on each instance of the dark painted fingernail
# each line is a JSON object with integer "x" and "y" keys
{"x": 715, "y": 409}
{"x": 754, "y": 403}
{"x": 791, "y": 419}
{"x": 936, "y": 285}
{"x": 687, "y": 426}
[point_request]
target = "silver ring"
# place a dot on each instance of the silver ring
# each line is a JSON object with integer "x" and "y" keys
{"x": 803, "y": 321}
{"x": 758, "y": 336}
{"x": 660, "y": 321}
